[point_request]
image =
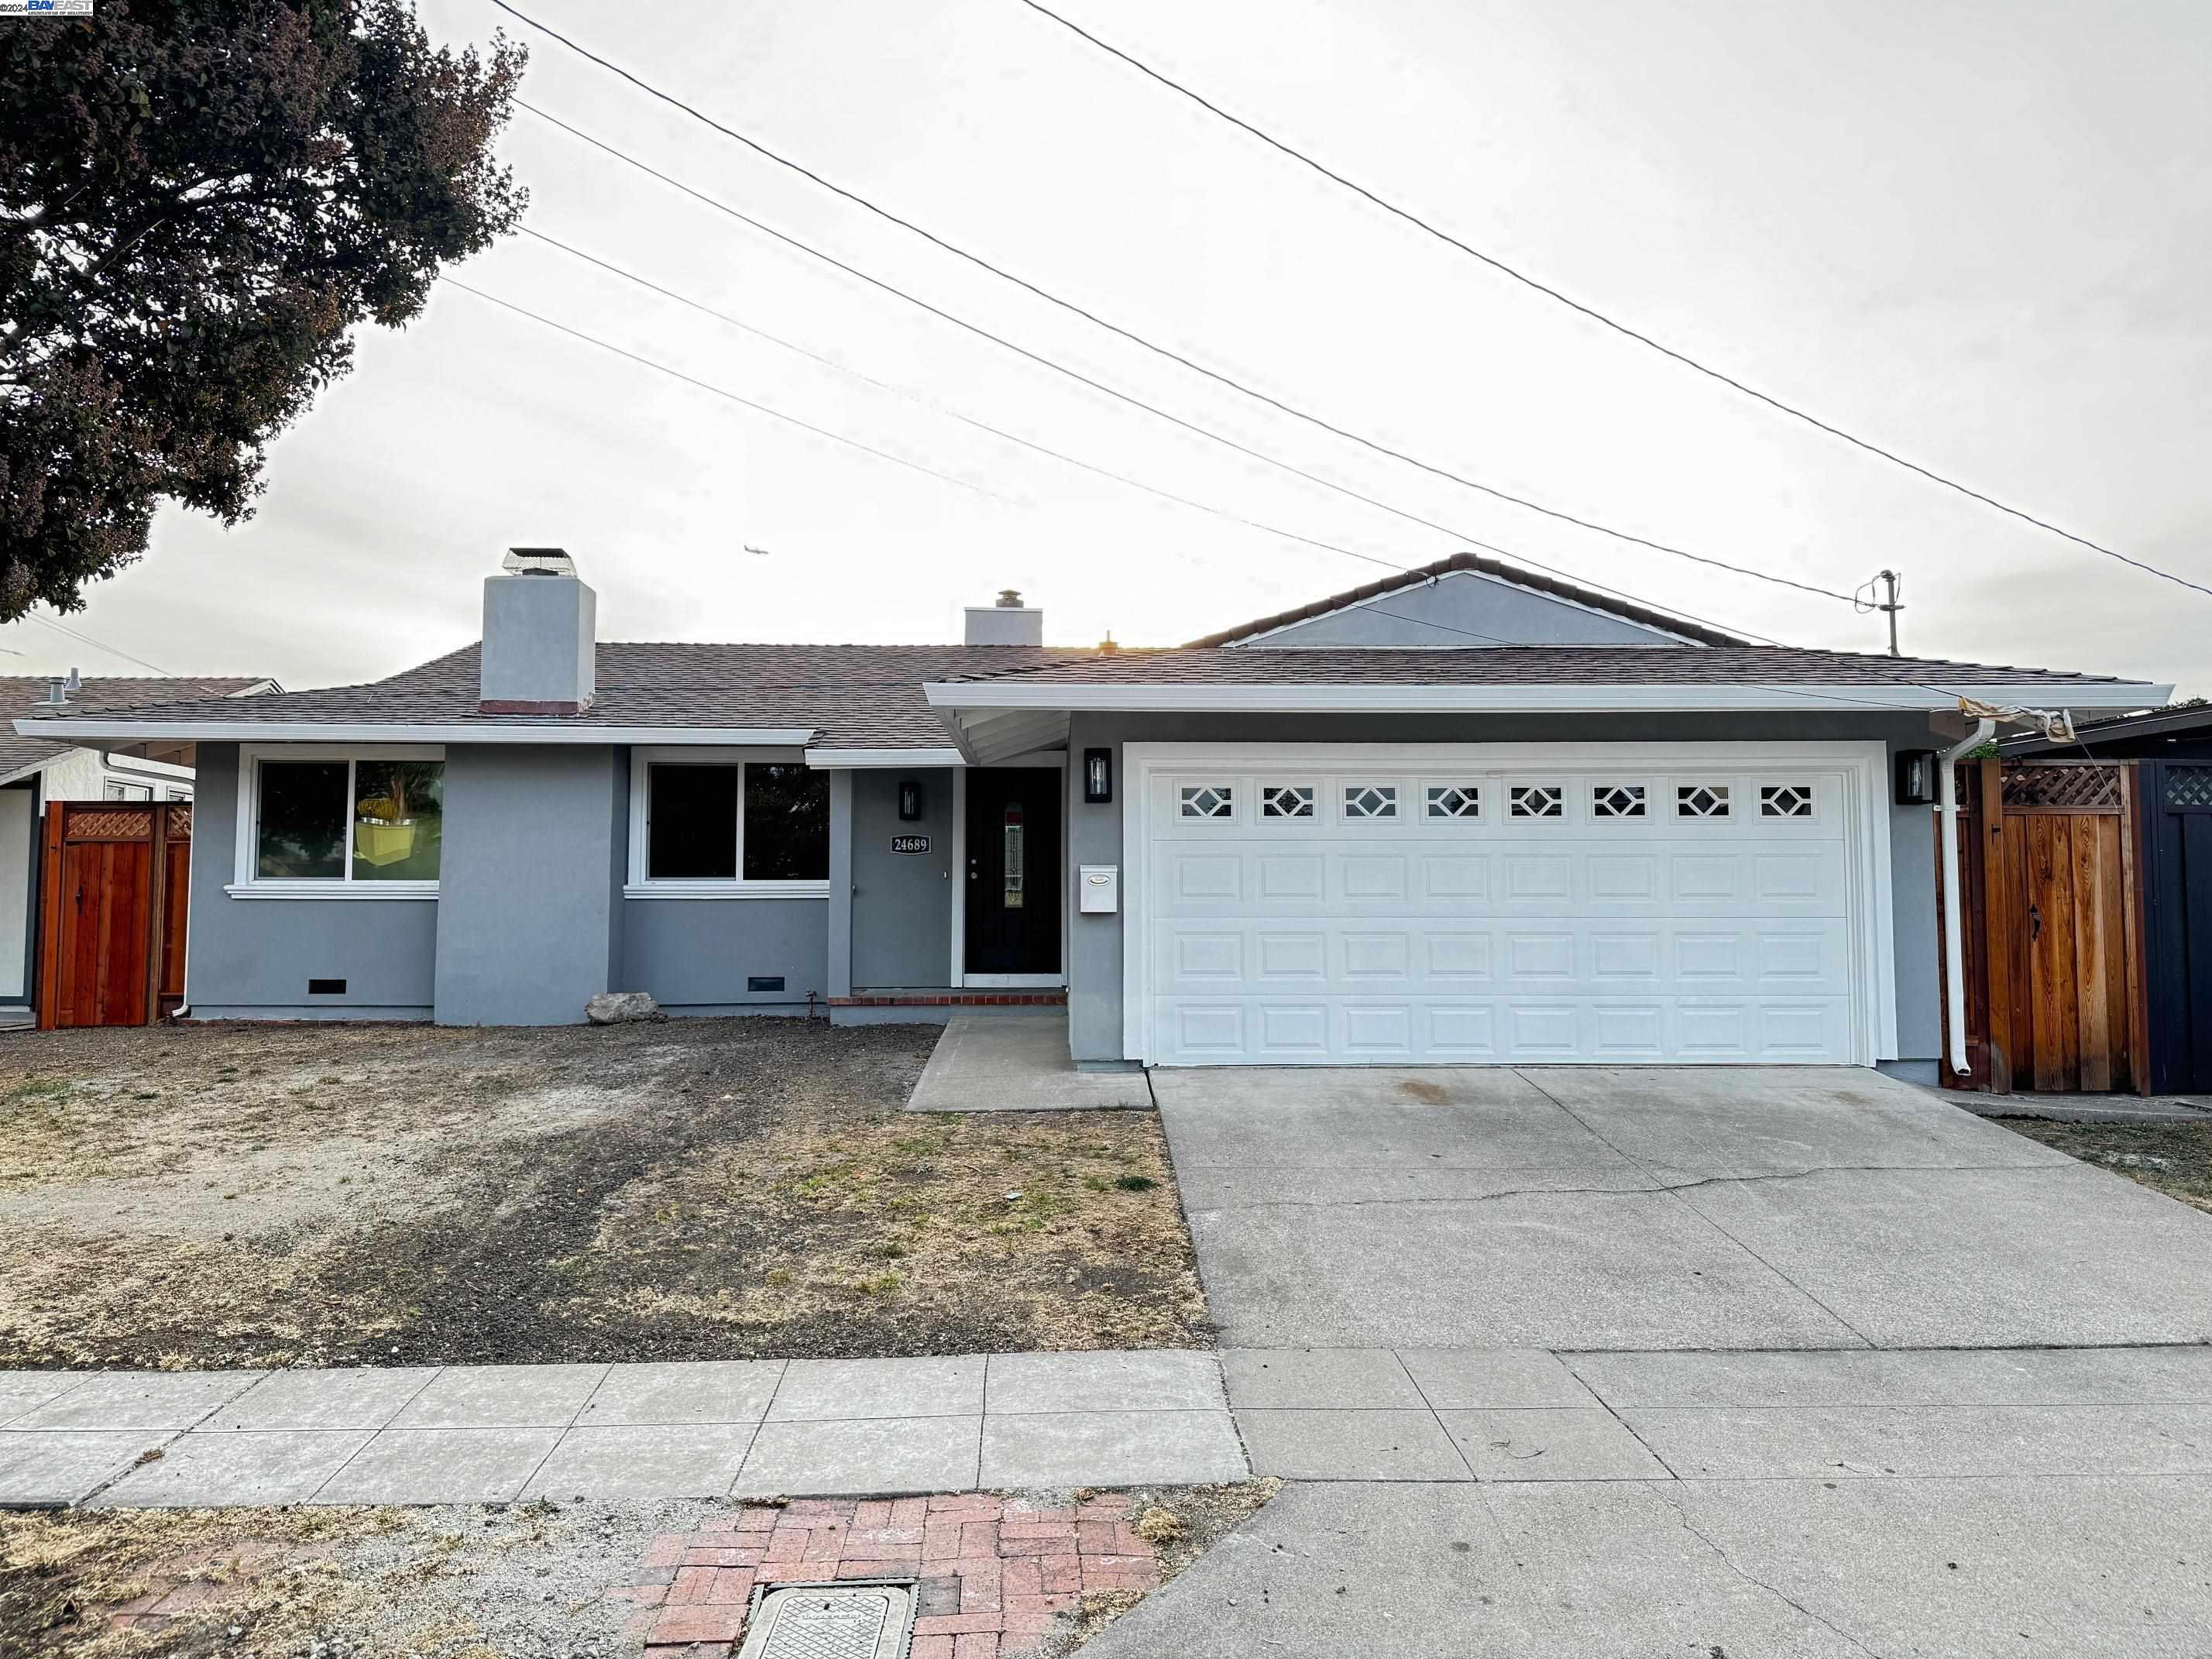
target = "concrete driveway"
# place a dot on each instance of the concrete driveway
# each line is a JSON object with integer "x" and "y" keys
{"x": 1707, "y": 1364}
{"x": 1647, "y": 1209}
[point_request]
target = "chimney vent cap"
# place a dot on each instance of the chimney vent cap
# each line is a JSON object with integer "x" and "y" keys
{"x": 537, "y": 562}
{"x": 1009, "y": 600}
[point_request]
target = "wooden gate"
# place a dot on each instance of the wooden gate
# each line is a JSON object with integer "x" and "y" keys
{"x": 112, "y": 919}
{"x": 2053, "y": 936}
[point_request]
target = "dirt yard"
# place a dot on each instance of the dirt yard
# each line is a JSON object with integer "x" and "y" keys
{"x": 2176, "y": 1159}
{"x": 271, "y": 1195}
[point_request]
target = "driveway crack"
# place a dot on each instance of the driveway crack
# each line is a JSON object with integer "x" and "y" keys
{"x": 1753, "y": 1579}
{"x": 1624, "y": 1192}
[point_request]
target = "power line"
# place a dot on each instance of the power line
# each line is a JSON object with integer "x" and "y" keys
{"x": 1077, "y": 375}
{"x": 1592, "y": 313}
{"x": 87, "y": 639}
{"x": 952, "y": 414}
{"x": 1172, "y": 355}
{"x": 723, "y": 391}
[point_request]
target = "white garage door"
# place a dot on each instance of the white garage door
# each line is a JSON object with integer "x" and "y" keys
{"x": 1612, "y": 903}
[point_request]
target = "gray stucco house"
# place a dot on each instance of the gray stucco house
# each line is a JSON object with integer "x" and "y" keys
{"x": 1469, "y": 814}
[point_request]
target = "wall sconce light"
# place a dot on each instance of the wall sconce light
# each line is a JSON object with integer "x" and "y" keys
{"x": 1916, "y": 777}
{"x": 909, "y": 800}
{"x": 1097, "y": 776}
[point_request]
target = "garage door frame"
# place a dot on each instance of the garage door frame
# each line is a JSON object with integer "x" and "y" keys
{"x": 1860, "y": 766}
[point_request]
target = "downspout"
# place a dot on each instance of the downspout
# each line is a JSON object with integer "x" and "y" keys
{"x": 1954, "y": 944}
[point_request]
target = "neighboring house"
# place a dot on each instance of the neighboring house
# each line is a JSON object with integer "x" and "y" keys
{"x": 1470, "y": 814}
{"x": 37, "y": 770}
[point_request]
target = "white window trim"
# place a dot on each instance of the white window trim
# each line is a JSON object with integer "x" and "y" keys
{"x": 642, "y": 886}
{"x": 245, "y": 885}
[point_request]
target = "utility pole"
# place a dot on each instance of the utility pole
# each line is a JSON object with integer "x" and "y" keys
{"x": 1887, "y": 604}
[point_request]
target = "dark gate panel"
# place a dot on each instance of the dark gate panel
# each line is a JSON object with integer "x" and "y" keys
{"x": 2180, "y": 967}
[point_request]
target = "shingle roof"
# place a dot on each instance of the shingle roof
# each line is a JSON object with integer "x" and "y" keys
{"x": 1531, "y": 664}
{"x": 1627, "y": 610}
{"x": 22, "y": 695}
{"x": 855, "y": 695}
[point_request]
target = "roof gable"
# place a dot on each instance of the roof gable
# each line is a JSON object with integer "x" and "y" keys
{"x": 1468, "y": 601}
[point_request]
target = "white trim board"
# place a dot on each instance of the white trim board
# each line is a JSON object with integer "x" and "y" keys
{"x": 555, "y": 730}
{"x": 875, "y": 759}
{"x": 1534, "y": 699}
{"x": 1864, "y": 766}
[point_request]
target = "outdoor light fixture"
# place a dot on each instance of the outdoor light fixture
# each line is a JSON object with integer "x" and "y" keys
{"x": 1916, "y": 777}
{"x": 909, "y": 800}
{"x": 1097, "y": 776}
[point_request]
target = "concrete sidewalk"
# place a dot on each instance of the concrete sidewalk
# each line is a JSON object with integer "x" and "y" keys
{"x": 469, "y": 1434}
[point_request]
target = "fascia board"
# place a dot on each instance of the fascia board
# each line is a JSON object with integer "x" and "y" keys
{"x": 1417, "y": 699}
{"x": 76, "y": 730}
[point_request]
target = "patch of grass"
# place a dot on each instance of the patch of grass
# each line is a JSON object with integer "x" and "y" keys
{"x": 1135, "y": 1183}
{"x": 2173, "y": 1159}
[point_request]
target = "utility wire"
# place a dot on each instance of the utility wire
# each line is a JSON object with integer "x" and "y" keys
{"x": 1172, "y": 355}
{"x": 1592, "y": 313}
{"x": 723, "y": 391}
{"x": 949, "y": 413}
{"x": 87, "y": 639}
{"x": 1077, "y": 375}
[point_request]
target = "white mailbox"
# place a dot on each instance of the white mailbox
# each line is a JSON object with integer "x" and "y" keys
{"x": 1099, "y": 888}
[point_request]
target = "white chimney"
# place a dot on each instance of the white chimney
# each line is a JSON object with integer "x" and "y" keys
{"x": 540, "y": 625}
{"x": 1007, "y": 622}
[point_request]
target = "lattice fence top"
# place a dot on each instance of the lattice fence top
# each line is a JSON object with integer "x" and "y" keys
{"x": 180, "y": 820}
{"x": 2188, "y": 788}
{"x": 2062, "y": 787}
{"x": 110, "y": 823}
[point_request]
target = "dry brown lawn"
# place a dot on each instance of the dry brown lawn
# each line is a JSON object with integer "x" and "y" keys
{"x": 249, "y": 1195}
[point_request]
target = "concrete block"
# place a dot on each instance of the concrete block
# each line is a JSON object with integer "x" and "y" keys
{"x": 1351, "y": 1446}
{"x": 52, "y": 1468}
{"x": 1585, "y": 1443}
{"x": 139, "y": 1399}
{"x": 1017, "y": 1061}
{"x": 358, "y": 1398}
{"x": 201, "y": 1471}
{"x": 1148, "y": 1380}
{"x": 1350, "y": 1379}
{"x": 691, "y": 1460}
{"x": 442, "y": 1466}
{"x": 820, "y": 1389}
{"x": 502, "y": 1396}
{"x": 1111, "y": 1449}
{"x": 1452, "y": 1379}
{"x": 704, "y": 1391}
{"x": 871, "y": 1457}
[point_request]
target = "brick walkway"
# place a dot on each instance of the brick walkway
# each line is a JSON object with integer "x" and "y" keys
{"x": 994, "y": 1575}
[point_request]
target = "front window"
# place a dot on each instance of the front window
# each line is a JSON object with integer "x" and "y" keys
{"x": 755, "y": 821}
{"x": 350, "y": 820}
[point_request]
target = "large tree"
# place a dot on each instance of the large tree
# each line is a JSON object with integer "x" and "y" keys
{"x": 199, "y": 201}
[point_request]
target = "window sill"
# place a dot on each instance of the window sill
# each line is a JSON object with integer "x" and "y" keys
{"x": 332, "y": 889}
{"x": 726, "y": 890}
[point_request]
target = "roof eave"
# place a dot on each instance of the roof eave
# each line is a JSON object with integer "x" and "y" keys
{"x": 553, "y": 730}
{"x": 1283, "y": 699}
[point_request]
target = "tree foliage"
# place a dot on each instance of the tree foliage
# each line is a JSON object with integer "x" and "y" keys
{"x": 199, "y": 200}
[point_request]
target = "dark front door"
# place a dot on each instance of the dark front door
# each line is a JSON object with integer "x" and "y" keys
{"x": 2180, "y": 801}
{"x": 1013, "y": 870}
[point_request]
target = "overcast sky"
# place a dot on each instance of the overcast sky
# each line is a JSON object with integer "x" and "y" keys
{"x": 1976, "y": 233}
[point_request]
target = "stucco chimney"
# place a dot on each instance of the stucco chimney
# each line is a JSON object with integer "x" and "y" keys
{"x": 539, "y": 629}
{"x": 1007, "y": 622}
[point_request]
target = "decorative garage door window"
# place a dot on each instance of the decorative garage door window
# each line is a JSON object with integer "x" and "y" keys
{"x": 1617, "y": 801}
{"x": 1208, "y": 800}
{"x": 1013, "y": 860}
{"x": 1455, "y": 800}
{"x": 1536, "y": 800}
{"x": 1701, "y": 800}
{"x": 1785, "y": 800}
{"x": 1370, "y": 800}
{"x": 1286, "y": 800}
